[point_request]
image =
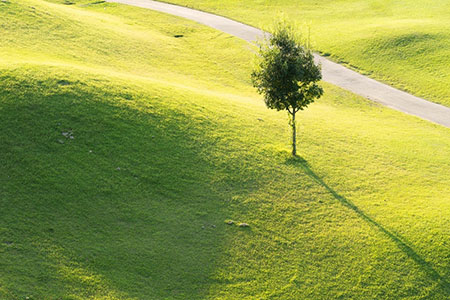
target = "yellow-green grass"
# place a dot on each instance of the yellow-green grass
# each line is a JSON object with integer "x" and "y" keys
{"x": 405, "y": 43}
{"x": 164, "y": 153}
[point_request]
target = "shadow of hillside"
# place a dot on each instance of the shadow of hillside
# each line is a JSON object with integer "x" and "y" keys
{"x": 397, "y": 239}
{"x": 132, "y": 202}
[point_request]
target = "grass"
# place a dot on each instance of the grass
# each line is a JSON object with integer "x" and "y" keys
{"x": 404, "y": 43}
{"x": 170, "y": 141}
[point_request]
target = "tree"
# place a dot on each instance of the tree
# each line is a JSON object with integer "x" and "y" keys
{"x": 286, "y": 74}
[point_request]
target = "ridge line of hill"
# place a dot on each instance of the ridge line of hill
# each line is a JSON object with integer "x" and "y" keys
{"x": 332, "y": 72}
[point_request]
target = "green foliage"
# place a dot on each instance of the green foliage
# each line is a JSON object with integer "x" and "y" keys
{"x": 286, "y": 74}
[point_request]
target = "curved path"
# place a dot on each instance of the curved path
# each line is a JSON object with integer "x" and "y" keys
{"x": 331, "y": 72}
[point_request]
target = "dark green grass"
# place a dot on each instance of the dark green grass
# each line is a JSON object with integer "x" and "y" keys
{"x": 71, "y": 214}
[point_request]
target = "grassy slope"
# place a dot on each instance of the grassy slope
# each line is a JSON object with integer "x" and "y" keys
{"x": 405, "y": 43}
{"x": 363, "y": 214}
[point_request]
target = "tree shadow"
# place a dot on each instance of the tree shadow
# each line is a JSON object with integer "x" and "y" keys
{"x": 399, "y": 240}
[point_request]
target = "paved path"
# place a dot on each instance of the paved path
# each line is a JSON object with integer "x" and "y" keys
{"x": 331, "y": 72}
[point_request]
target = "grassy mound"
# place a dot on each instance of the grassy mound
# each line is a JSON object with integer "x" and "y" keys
{"x": 125, "y": 150}
{"x": 404, "y": 43}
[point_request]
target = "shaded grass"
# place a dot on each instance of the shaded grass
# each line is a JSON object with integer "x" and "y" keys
{"x": 136, "y": 223}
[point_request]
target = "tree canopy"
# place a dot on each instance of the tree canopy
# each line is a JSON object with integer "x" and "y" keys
{"x": 286, "y": 74}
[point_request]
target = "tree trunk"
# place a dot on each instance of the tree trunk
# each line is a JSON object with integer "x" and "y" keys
{"x": 294, "y": 135}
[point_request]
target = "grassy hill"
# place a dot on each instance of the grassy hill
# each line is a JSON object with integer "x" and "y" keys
{"x": 125, "y": 149}
{"x": 404, "y": 43}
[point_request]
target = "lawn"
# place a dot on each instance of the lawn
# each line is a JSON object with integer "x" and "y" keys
{"x": 124, "y": 150}
{"x": 405, "y": 43}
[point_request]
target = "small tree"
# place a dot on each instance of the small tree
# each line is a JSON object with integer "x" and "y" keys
{"x": 286, "y": 75}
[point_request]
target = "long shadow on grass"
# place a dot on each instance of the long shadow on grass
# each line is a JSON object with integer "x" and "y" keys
{"x": 400, "y": 241}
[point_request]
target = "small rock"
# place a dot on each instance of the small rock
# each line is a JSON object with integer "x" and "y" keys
{"x": 90, "y": 151}
{"x": 213, "y": 226}
{"x": 118, "y": 168}
{"x": 64, "y": 82}
{"x": 230, "y": 222}
{"x": 203, "y": 226}
{"x": 66, "y": 134}
{"x": 71, "y": 137}
{"x": 243, "y": 225}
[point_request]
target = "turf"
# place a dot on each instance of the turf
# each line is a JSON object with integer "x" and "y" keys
{"x": 165, "y": 152}
{"x": 404, "y": 43}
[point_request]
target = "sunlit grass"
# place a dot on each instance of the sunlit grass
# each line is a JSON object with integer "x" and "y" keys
{"x": 163, "y": 153}
{"x": 405, "y": 43}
